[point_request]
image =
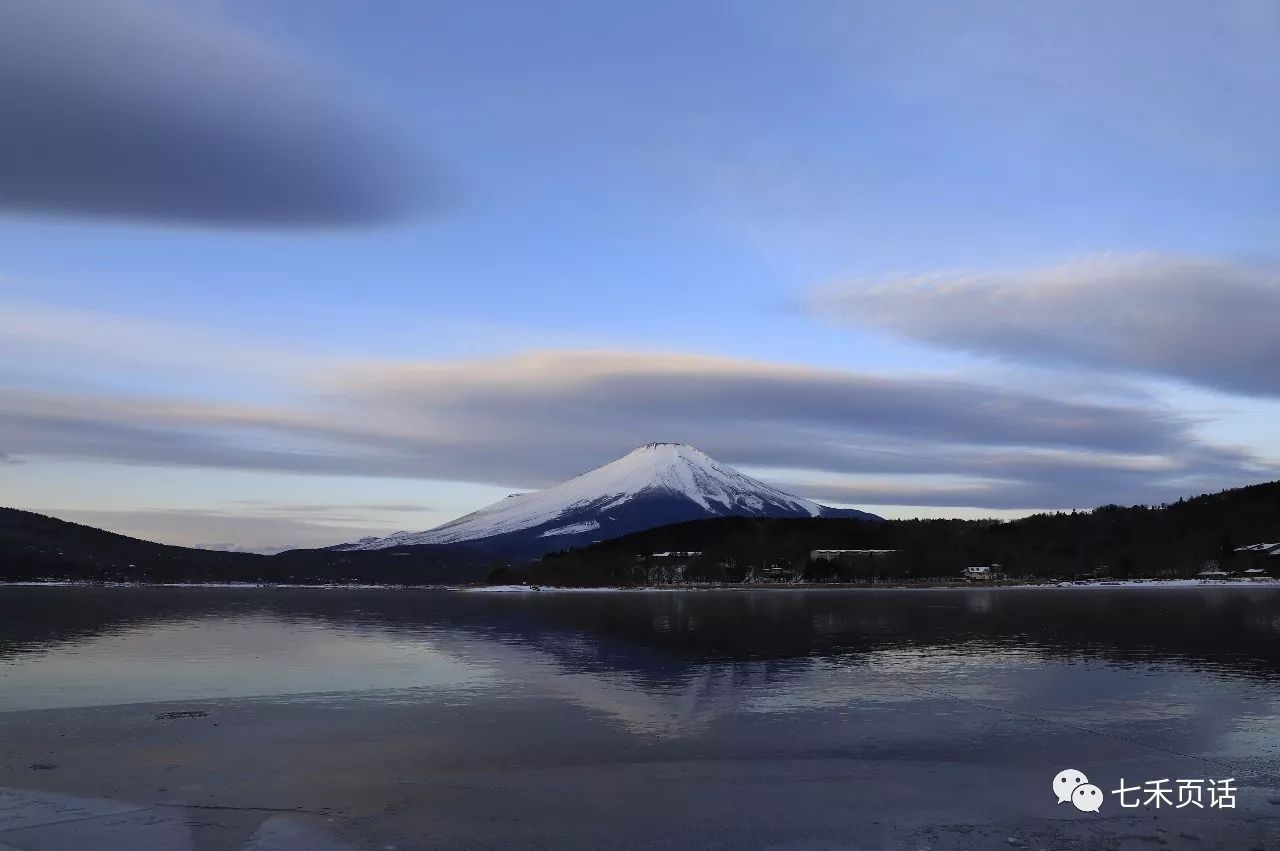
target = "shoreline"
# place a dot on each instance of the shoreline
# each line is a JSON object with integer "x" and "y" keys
{"x": 856, "y": 586}
{"x": 536, "y": 589}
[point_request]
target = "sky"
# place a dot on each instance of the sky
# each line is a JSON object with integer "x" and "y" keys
{"x": 281, "y": 273}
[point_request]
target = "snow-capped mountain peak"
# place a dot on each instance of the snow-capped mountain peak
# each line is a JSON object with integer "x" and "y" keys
{"x": 653, "y": 485}
{"x": 678, "y": 469}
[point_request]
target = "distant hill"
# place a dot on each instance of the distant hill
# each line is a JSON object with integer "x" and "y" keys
{"x": 654, "y": 485}
{"x": 1169, "y": 540}
{"x": 33, "y": 546}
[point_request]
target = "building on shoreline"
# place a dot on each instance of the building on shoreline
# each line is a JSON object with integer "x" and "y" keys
{"x": 1255, "y": 560}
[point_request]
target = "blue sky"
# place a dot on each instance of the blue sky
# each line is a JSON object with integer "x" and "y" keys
{"x": 295, "y": 272}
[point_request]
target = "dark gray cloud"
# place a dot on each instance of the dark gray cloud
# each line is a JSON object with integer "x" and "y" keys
{"x": 1205, "y": 322}
{"x": 141, "y": 108}
{"x": 531, "y": 421}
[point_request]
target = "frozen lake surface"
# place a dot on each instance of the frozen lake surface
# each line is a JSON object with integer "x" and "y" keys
{"x": 232, "y": 718}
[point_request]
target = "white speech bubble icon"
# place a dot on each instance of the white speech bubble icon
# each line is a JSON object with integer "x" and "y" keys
{"x": 1066, "y": 782}
{"x": 1087, "y": 798}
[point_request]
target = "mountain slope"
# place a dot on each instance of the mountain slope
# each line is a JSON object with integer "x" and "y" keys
{"x": 36, "y": 545}
{"x": 657, "y": 484}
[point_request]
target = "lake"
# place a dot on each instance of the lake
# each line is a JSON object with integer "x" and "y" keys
{"x": 247, "y": 718}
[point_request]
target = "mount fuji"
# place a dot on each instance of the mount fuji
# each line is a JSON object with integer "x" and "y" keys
{"x": 654, "y": 485}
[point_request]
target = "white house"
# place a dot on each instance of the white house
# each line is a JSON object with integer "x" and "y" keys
{"x": 1258, "y": 559}
{"x": 1263, "y": 549}
{"x": 977, "y": 572}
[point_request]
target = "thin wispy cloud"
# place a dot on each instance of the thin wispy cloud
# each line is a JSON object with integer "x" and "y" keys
{"x": 1206, "y": 322}
{"x": 1031, "y": 479}
{"x": 223, "y": 530}
{"x": 327, "y": 511}
{"x": 49, "y": 337}
{"x": 533, "y": 420}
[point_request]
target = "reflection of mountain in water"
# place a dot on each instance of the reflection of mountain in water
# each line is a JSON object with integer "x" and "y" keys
{"x": 661, "y": 633}
{"x": 669, "y": 662}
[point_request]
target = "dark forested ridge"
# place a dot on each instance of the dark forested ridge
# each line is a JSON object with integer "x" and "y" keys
{"x": 1174, "y": 540}
{"x": 34, "y": 547}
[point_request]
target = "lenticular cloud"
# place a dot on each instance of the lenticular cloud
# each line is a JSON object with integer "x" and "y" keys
{"x": 132, "y": 109}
